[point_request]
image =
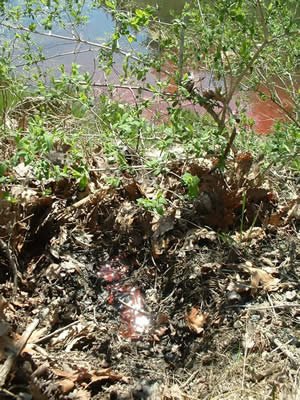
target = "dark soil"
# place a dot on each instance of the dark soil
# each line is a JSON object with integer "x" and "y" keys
{"x": 202, "y": 303}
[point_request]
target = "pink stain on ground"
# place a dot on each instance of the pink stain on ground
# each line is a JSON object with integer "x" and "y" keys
{"x": 128, "y": 299}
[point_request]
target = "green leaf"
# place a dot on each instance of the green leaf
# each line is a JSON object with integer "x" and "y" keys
{"x": 32, "y": 27}
{"x": 192, "y": 183}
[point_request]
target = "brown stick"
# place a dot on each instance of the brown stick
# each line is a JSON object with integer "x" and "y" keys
{"x": 9, "y": 362}
{"x": 11, "y": 261}
{"x": 229, "y": 144}
{"x": 50, "y": 335}
{"x": 284, "y": 350}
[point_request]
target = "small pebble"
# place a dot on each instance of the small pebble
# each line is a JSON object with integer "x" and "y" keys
{"x": 291, "y": 295}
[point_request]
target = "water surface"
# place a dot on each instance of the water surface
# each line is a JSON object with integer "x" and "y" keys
{"x": 100, "y": 27}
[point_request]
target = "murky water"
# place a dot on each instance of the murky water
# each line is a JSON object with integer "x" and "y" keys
{"x": 99, "y": 28}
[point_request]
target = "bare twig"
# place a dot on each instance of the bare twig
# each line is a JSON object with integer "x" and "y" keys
{"x": 127, "y": 87}
{"x": 12, "y": 262}
{"x": 67, "y": 53}
{"x": 241, "y": 76}
{"x": 9, "y": 393}
{"x": 9, "y": 362}
{"x": 287, "y": 305}
{"x": 284, "y": 350}
{"x": 138, "y": 310}
{"x": 56, "y": 332}
{"x": 190, "y": 379}
{"x": 75, "y": 39}
{"x": 263, "y": 20}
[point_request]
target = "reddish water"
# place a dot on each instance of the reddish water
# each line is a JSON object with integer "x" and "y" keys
{"x": 264, "y": 113}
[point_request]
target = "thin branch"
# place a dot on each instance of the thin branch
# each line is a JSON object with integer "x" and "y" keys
{"x": 263, "y": 20}
{"x": 50, "y": 335}
{"x": 70, "y": 39}
{"x": 9, "y": 362}
{"x": 200, "y": 11}
{"x": 12, "y": 262}
{"x": 106, "y": 85}
{"x": 295, "y": 361}
{"x": 244, "y": 72}
{"x": 68, "y": 53}
{"x": 181, "y": 51}
{"x": 275, "y": 98}
{"x": 261, "y": 308}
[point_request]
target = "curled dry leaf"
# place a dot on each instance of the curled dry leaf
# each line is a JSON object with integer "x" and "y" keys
{"x": 84, "y": 376}
{"x": 196, "y": 319}
{"x": 70, "y": 375}
{"x": 159, "y": 246}
{"x": 252, "y": 235}
{"x": 81, "y": 395}
{"x": 126, "y": 215}
{"x": 262, "y": 279}
{"x": 66, "y": 385}
{"x": 163, "y": 225}
{"x": 107, "y": 374}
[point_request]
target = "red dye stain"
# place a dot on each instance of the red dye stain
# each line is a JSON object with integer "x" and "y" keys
{"x": 127, "y": 299}
{"x": 112, "y": 272}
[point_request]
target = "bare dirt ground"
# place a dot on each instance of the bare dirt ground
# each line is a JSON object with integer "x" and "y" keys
{"x": 103, "y": 299}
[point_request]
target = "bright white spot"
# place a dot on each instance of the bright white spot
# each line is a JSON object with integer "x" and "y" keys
{"x": 141, "y": 323}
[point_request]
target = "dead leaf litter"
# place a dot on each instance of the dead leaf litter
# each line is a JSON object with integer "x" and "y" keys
{"x": 101, "y": 298}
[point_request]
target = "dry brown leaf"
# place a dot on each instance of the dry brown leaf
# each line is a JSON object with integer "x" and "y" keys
{"x": 163, "y": 225}
{"x": 262, "y": 279}
{"x": 159, "y": 246}
{"x": 196, "y": 319}
{"x": 251, "y": 235}
{"x": 275, "y": 219}
{"x": 83, "y": 375}
{"x": 37, "y": 334}
{"x": 126, "y": 215}
{"x": 243, "y": 163}
{"x": 133, "y": 190}
{"x": 66, "y": 385}
{"x": 71, "y": 375}
{"x": 106, "y": 374}
{"x": 30, "y": 349}
{"x": 81, "y": 395}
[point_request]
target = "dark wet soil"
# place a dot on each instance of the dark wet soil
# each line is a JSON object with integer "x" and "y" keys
{"x": 130, "y": 305}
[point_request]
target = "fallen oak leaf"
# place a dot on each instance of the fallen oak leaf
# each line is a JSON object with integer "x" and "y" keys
{"x": 66, "y": 385}
{"x": 252, "y": 235}
{"x": 262, "y": 279}
{"x": 266, "y": 280}
{"x": 71, "y": 375}
{"x": 81, "y": 394}
{"x": 196, "y": 319}
{"x": 106, "y": 375}
{"x": 83, "y": 376}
